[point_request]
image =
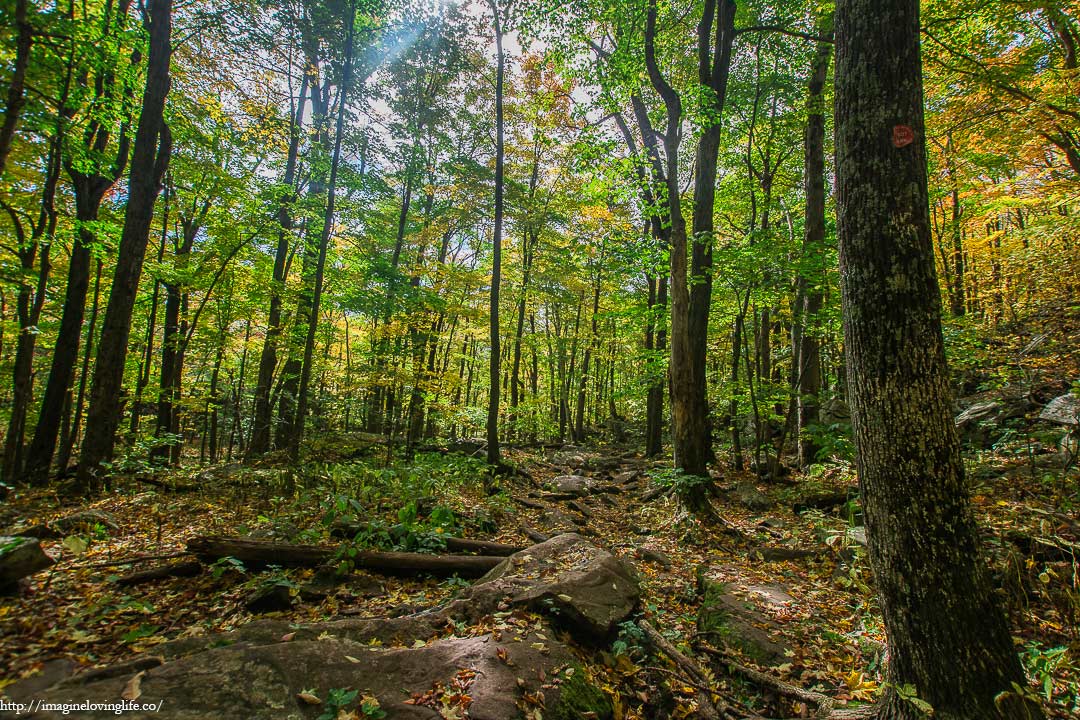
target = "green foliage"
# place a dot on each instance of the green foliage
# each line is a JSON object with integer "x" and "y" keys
{"x": 1041, "y": 665}
{"x": 677, "y": 480}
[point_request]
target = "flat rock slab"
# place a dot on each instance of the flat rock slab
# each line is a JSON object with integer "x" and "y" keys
{"x": 1063, "y": 410}
{"x": 258, "y": 670}
{"x": 262, "y": 682}
{"x": 735, "y": 617}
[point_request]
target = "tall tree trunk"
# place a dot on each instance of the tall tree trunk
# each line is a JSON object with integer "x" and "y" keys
{"x": 150, "y": 157}
{"x": 947, "y": 634}
{"x": 807, "y": 349}
{"x": 262, "y": 421}
{"x": 324, "y": 242}
{"x": 690, "y": 295}
{"x": 29, "y": 303}
{"x": 16, "y": 94}
{"x": 583, "y": 381}
{"x": 493, "y": 452}
{"x": 654, "y": 422}
{"x": 73, "y": 413}
{"x": 88, "y": 196}
{"x": 151, "y": 329}
{"x": 89, "y": 186}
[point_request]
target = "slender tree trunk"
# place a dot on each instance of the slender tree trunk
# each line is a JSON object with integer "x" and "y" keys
{"x": 808, "y": 346}
{"x": 583, "y": 381}
{"x": 29, "y": 303}
{"x": 947, "y": 634}
{"x": 324, "y": 242}
{"x": 73, "y": 417}
{"x": 493, "y": 452}
{"x": 262, "y": 421}
{"x": 149, "y": 159}
{"x": 66, "y": 350}
{"x": 16, "y": 94}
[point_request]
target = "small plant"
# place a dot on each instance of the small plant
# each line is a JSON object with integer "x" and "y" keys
{"x": 227, "y": 564}
{"x": 339, "y": 699}
{"x": 629, "y": 641}
{"x": 1042, "y": 665}
{"x": 678, "y": 481}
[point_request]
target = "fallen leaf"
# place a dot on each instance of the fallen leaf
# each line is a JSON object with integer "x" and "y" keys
{"x": 308, "y": 697}
{"x": 132, "y": 690}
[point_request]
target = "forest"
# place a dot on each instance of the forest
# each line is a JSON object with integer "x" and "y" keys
{"x": 566, "y": 359}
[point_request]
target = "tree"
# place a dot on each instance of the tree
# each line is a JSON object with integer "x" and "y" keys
{"x": 499, "y": 17}
{"x": 809, "y": 298}
{"x": 948, "y": 640}
{"x": 93, "y": 166}
{"x": 691, "y": 292}
{"x": 150, "y": 157}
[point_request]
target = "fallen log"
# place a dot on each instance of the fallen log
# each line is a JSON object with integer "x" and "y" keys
{"x": 453, "y": 544}
{"x": 770, "y": 553}
{"x": 19, "y": 557}
{"x": 260, "y": 553}
{"x": 184, "y": 568}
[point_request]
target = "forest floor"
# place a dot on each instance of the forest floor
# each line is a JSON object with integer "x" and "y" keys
{"x": 811, "y": 620}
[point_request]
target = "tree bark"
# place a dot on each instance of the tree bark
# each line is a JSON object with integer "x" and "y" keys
{"x": 807, "y": 339}
{"x": 149, "y": 159}
{"x": 948, "y": 636}
{"x": 494, "y": 456}
{"x": 16, "y": 94}
{"x": 324, "y": 242}
{"x": 262, "y": 421}
{"x": 259, "y": 553}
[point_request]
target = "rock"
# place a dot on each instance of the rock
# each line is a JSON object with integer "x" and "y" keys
{"x": 262, "y": 682}
{"x": 1063, "y": 410}
{"x": 751, "y": 498}
{"x": 857, "y": 535}
{"x": 834, "y": 411}
{"x": 578, "y": 584}
{"x": 556, "y": 521}
{"x": 981, "y": 418}
{"x": 979, "y": 412}
{"x": 652, "y": 555}
{"x": 572, "y": 484}
{"x": 19, "y": 557}
{"x": 271, "y": 597}
{"x": 733, "y": 618}
{"x": 257, "y": 671}
{"x": 626, "y": 478}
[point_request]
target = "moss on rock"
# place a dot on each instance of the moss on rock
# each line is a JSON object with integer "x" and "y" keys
{"x": 579, "y": 699}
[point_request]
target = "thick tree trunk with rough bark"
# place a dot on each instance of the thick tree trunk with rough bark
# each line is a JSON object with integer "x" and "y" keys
{"x": 149, "y": 160}
{"x": 947, "y": 633}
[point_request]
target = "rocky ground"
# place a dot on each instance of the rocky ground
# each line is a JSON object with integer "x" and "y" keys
{"x": 617, "y": 590}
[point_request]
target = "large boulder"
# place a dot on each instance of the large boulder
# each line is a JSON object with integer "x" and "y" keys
{"x": 581, "y": 586}
{"x": 572, "y": 484}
